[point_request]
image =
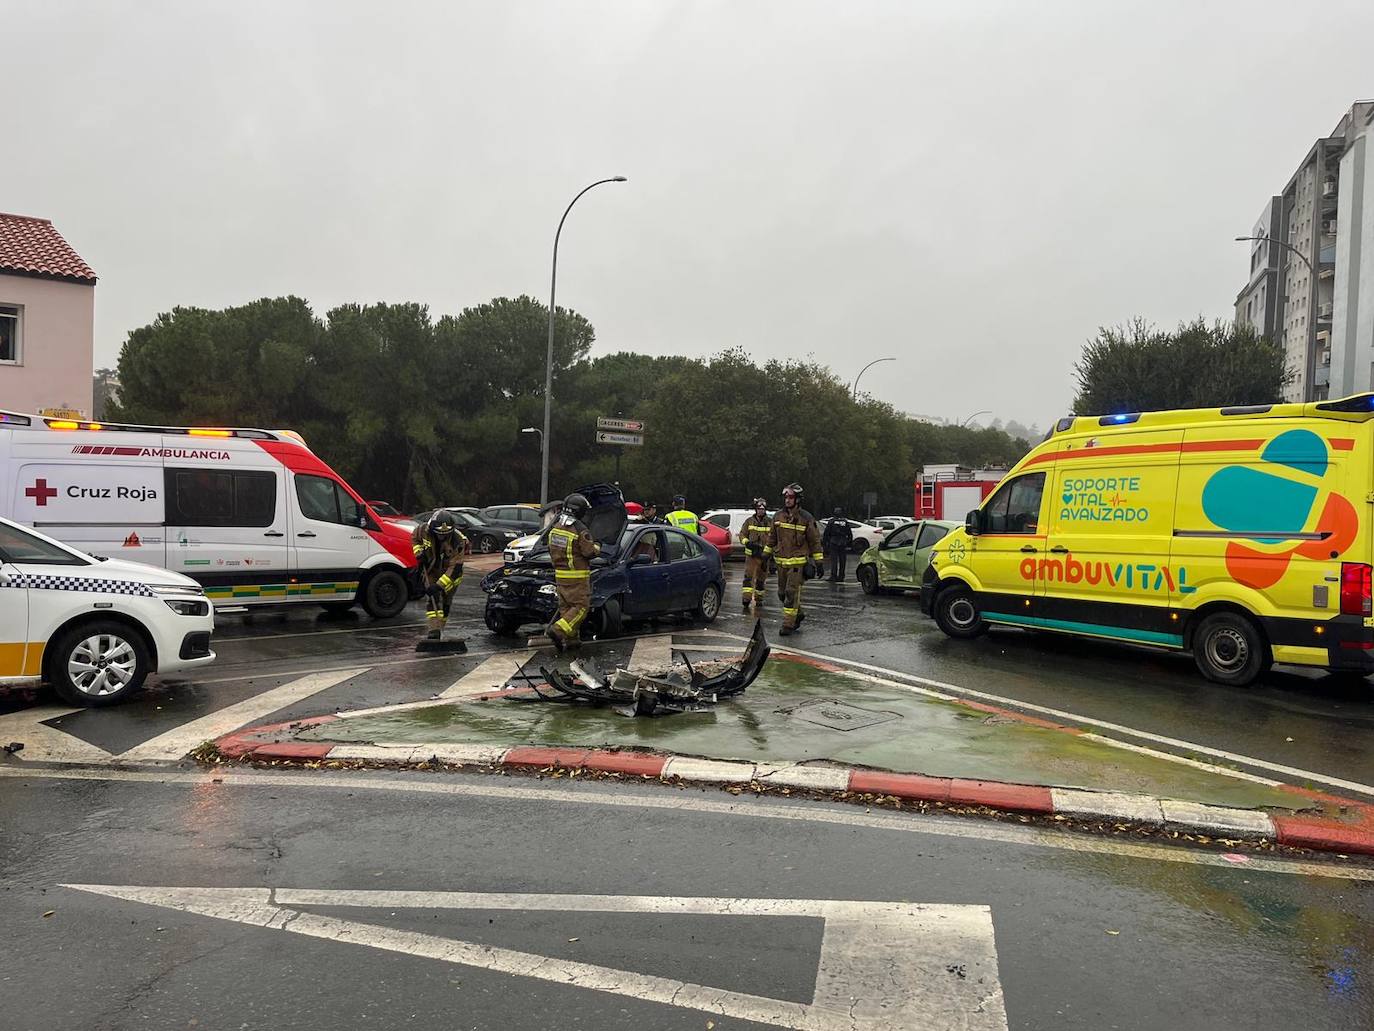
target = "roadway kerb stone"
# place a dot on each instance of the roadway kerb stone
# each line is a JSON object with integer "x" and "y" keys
{"x": 1351, "y": 834}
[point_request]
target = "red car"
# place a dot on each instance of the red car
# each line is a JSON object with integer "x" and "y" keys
{"x": 716, "y": 536}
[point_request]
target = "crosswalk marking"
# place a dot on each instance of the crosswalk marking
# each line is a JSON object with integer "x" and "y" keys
{"x": 652, "y": 652}
{"x": 895, "y": 966}
{"x": 177, "y": 742}
{"x": 488, "y": 676}
{"x": 47, "y": 744}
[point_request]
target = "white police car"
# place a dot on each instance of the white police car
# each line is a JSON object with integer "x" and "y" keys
{"x": 93, "y": 629}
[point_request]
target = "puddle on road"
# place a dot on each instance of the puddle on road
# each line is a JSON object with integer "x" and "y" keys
{"x": 794, "y": 713}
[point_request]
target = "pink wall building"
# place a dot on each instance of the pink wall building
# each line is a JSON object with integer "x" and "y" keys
{"x": 47, "y": 319}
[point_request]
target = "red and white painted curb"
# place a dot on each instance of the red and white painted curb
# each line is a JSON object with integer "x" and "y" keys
{"x": 1306, "y": 830}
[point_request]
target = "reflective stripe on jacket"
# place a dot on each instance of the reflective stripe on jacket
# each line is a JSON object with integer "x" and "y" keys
{"x": 754, "y": 536}
{"x": 795, "y": 537}
{"x": 683, "y": 520}
{"x": 571, "y": 547}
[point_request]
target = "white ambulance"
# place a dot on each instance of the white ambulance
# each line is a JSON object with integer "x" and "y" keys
{"x": 251, "y": 515}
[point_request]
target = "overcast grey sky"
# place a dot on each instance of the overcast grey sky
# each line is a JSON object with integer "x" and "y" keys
{"x": 972, "y": 188}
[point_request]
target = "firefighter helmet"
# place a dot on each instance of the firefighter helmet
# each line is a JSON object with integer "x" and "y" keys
{"x": 795, "y": 489}
{"x": 761, "y": 503}
{"x": 442, "y": 523}
{"x": 576, "y": 505}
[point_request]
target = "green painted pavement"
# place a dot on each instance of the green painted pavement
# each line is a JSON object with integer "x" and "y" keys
{"x": 774, "y": 721}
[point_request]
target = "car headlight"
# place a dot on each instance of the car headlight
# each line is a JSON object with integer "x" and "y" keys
{"x": 188, "y": 606}
{"x": 548, "y": 589}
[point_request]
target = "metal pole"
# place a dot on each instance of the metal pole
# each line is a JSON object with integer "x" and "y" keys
{"x": 548, "y": 366}
{"x": 854, "y": 393}
{"x": 1281, "y": 243}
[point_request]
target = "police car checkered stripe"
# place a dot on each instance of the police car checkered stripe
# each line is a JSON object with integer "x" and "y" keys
{"x": 53, "y": 582}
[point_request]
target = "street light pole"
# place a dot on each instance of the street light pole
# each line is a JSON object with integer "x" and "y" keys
{"x": 548, "y": 367}
{"x": 854, "y": 393}
{"x": 975, "y": 415}
{"x": 1269, "y": 239}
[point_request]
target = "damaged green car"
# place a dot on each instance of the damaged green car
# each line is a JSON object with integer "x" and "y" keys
{"x": 899, "y": 560}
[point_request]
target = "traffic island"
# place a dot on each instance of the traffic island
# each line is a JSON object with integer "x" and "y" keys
{"x": 805, "y": 727}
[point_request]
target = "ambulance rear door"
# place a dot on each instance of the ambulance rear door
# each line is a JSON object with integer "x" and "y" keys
{"x": 99, "y": 491}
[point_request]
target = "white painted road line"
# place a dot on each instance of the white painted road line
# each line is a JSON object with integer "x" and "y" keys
{"x": 953, "y": 691}
{"x": 218, "y": 639}
{"x": 488, "y": 676}
{"x": 547, "y": 794}
{"x": 177, "y": 742}
{"x": 47, "y": 744}
{"x": 882, "y": 965}
{"x": 654, "y": 652}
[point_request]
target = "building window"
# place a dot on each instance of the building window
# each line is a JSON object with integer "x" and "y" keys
{"x": 10, "y": 337}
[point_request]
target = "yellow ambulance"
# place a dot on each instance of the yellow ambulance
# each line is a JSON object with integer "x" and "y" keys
{"x": 1239, "y": 534}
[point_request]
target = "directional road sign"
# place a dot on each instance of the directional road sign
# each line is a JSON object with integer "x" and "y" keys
{"x": 623, "y": 425}
{"x": 630, "y": 439}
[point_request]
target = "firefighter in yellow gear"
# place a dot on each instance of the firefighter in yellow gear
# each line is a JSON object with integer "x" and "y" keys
{"x": 439, "y": 548}
{"x": 682, "y": 517}
{"x": 571, "y": 547}
{"x": 754, "y": 536}
{"x": 796, "y": 542}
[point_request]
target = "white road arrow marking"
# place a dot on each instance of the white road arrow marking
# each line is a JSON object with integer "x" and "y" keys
{"x": 882, "y": 965}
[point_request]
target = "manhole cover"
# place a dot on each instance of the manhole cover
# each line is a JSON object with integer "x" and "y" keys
{"x": 841, "y": 715}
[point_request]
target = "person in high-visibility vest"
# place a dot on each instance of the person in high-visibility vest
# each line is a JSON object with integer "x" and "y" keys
{"x": 754, "y": 536}
{"x": 572, "y": 548}
{"x": 439, "y": 548}
{"x": 796, "y": 542}
{"x": 681, "y": 516}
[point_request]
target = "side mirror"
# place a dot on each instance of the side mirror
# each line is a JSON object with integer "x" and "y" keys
{"x": 973, "y": 522}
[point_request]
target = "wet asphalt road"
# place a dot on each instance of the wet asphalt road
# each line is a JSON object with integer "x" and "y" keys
{"x": 1219, "y": 945}
{"x": 1083, "y": 941}
{"x": 1294, "y": 718}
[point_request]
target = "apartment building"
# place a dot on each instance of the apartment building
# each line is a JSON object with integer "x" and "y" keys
{"x": 1257, "y": 304}
{"x": 1309, "y": 277}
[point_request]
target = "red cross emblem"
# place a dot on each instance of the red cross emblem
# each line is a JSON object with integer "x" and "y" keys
{"x": 40, "y": 492}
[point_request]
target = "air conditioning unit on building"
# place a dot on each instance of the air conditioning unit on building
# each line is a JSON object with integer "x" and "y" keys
{"x": 1329, "y": 227}
{"x": 1329, "y": 188}
{"x": 1324, "y": 310}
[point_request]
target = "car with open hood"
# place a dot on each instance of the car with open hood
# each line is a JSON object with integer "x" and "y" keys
{"x": 645, "y": 570}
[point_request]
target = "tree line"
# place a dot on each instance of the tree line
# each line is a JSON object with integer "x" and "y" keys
{"x": 426, "y": 412}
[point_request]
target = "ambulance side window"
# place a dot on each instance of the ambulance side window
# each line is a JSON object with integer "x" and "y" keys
{"x": 317, "y": 499}
{"x": 216, "y": 497}
{"x": 325, "y": 500}
{"x": 1015, "y": 508}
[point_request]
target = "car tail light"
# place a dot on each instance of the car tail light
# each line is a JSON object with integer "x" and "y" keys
{"x": 1357, "y": 598}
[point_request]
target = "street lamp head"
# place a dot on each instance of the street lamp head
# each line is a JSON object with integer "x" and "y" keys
{"x": 619, "y": 179}
{"x": 530, "y": 429}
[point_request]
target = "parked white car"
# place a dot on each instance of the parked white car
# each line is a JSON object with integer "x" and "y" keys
{"x": 890, "y": 523}
{"x": 731, "y": 520}
{"x": 93, "y": 629}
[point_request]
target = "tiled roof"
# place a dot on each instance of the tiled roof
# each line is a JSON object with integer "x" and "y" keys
{"x": 33, "y": 247}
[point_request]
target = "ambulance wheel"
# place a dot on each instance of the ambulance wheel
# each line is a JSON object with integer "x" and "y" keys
{"x": 1229, "y": 649}
{"x": 385, "y": 594}
{"x": 97, "y": 663}
{"x": 957, "y": 614}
